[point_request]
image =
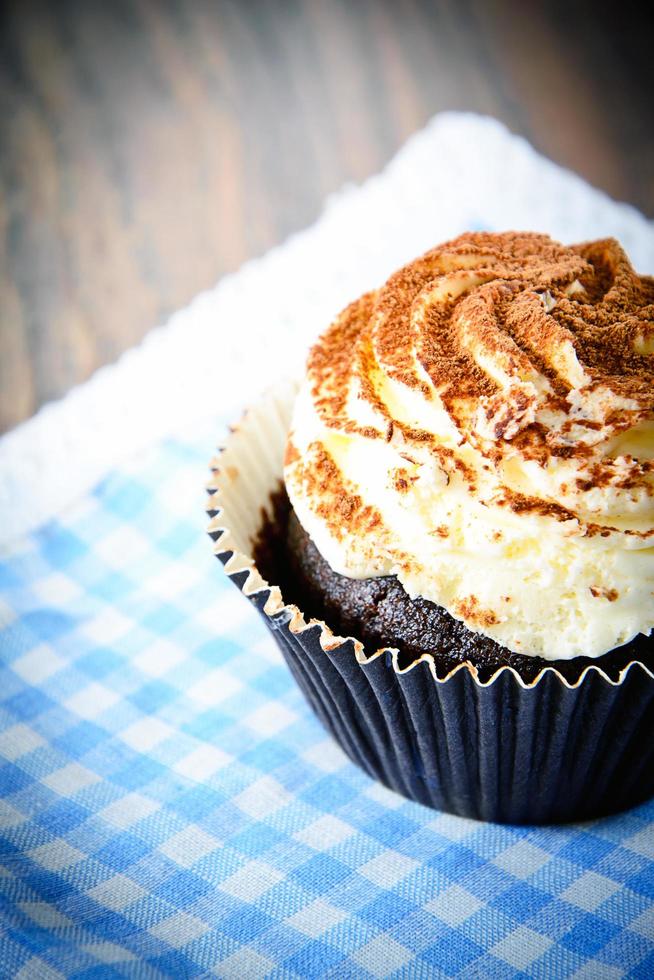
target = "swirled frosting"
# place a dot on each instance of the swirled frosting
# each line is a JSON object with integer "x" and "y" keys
{"x": 482, "y": 427}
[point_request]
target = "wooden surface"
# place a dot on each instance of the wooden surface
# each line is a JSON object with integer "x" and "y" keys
{"x": 150, "y": 146}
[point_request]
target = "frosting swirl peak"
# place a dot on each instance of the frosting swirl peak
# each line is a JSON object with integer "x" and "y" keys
{"x": 482, "y": 427}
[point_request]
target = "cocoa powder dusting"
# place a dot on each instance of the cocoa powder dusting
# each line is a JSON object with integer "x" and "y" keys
{"x": 610, "y": 594}
{"x": 340, "y": 506}
{"x": 484, "y": 307}
{"x": 470, "y": 610}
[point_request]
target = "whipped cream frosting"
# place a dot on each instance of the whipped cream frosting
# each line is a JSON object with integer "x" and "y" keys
{"x": 482, "y": 427}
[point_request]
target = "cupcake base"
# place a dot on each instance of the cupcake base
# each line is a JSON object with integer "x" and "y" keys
{"x": 499, "y": 753}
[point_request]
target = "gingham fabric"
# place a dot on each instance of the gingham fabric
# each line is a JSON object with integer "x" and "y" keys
{"x": 172, "y": 808}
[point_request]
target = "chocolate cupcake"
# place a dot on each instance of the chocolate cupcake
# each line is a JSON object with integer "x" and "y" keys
{"x": 466, "y": 551}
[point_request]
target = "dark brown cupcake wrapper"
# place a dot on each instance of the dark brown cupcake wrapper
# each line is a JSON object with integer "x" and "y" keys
{"x": 502, "y": 749}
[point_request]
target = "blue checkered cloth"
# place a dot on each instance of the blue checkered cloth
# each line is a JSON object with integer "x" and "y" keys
{"x": 172, "y": 808}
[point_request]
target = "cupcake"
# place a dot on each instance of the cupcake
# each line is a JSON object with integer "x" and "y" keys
{"x": 459, "y": 561}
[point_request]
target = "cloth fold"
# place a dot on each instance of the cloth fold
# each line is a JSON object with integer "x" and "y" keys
{"x": 169, "y": 805}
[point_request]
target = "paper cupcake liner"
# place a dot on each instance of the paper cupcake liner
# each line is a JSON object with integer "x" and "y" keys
{"x": 502, "y": 750}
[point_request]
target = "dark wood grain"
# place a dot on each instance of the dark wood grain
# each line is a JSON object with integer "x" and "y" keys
{"x": 150, "y": 146}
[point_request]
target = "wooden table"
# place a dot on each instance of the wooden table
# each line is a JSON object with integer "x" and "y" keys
{"x": 150, "y": 146}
